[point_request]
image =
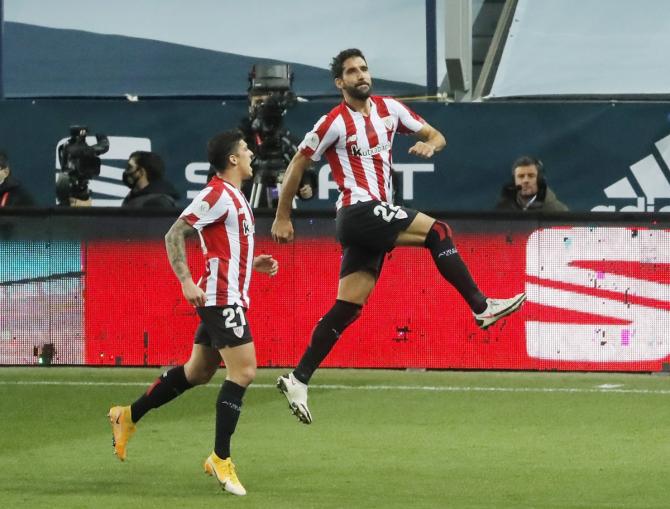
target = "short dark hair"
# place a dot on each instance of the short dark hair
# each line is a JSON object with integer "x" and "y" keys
{"x": 222, "y": 146}
{"x": 527, "y": 161}
{"x": 337, "y": 65}
{"x": 4, "y": 159}
{"x": 151, "y": 162}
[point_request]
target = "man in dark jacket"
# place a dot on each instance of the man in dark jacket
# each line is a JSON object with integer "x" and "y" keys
{"x": 144, "y": 176}
{"x": 12, "y": 194}
{"x": 529, "y": 190}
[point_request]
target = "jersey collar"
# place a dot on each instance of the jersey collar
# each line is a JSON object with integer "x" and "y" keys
{"x": 373, "y": 107}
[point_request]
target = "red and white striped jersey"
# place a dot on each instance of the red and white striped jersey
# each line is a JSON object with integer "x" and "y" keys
{"x": 358, "y": 148}
{"x": 225, "y": 223}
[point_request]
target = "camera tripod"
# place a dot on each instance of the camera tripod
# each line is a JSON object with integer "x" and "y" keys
{"x": 257, "y": 191}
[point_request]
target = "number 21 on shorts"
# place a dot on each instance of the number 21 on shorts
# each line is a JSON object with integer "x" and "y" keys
{"x": 234, "y": 317}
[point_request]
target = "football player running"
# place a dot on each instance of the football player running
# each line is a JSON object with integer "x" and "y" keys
{"x": 223, "y": 219}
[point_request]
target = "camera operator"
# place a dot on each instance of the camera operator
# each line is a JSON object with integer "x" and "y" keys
{"x": 273, "y": 145}
{"x": 148, "y": 189}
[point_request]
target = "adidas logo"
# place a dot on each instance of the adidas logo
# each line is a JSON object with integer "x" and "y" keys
{"x": 650, "y": 180}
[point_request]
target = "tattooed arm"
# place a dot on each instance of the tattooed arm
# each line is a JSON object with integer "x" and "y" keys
{"x": 175, "y": 244}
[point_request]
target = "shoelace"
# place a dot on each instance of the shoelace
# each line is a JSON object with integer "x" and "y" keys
{"x": 231, "y": 472}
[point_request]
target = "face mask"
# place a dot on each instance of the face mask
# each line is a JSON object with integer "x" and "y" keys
{"x": 130, "y": 179}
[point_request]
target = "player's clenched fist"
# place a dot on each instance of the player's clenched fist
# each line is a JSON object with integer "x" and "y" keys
{"x": 193, "y": 293}
{"x": 422, "y": 149}
{"x": 282, "y": 230}
{"x": 265, "y": 263}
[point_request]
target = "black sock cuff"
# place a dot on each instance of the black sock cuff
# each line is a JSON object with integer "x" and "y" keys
{"x": 231, "y": 390}
{"x": 439, "y": 232}
{"x": 341, "y": 315}
{"x": 347, "y": 306}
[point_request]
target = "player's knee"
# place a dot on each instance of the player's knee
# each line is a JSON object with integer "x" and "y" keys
{"x": 439, "y": 232}
{"x": 200, "y": 375}
{"x": 340, "y": 316}
{"x": 244, "y": 376}
{"x": 356, "y": 288}
{"x": 442, "y": 229}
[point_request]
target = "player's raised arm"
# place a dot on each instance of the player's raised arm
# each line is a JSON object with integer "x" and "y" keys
{"x": 175, "y": 244}
{"x": 282, "y": 229}
{"x": 430, "y": 141}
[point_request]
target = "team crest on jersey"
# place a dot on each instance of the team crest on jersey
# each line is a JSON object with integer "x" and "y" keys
{"x": 388, "y": 122}
{"x": 238, "y": 331}
{"x": 247, "y": 227}
{"x": 201, "y": 208}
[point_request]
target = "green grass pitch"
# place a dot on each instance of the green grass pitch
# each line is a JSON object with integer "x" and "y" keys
{"x": 387, "y": 439}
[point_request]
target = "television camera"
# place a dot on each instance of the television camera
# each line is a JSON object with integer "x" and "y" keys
{"x": 79, "y": 163}
{"x": 270, "y": 96}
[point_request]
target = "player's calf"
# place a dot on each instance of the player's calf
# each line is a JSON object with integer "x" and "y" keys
{"x": 445, "y": 255}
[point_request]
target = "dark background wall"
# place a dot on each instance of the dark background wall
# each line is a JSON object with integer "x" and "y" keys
{"x": 585, "y": 147}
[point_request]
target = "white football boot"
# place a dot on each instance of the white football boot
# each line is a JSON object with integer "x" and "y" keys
{"x": 296, "y": 395}
{"x": 497, "y": 308}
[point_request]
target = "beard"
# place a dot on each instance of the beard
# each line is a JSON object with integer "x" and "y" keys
{"x": 357, "y": 93}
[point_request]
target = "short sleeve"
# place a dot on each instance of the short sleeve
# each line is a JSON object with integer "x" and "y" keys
{"x": 209, "y": 206}
{"x": 323, "y": 135}
{"x": 408, "y": 121}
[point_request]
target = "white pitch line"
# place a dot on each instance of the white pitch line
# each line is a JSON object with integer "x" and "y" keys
{"x": 425, "y": 388}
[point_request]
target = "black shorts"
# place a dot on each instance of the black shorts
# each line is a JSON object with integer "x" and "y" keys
{"x": 367, "y": 231}
{"x": 222, "y": 326}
